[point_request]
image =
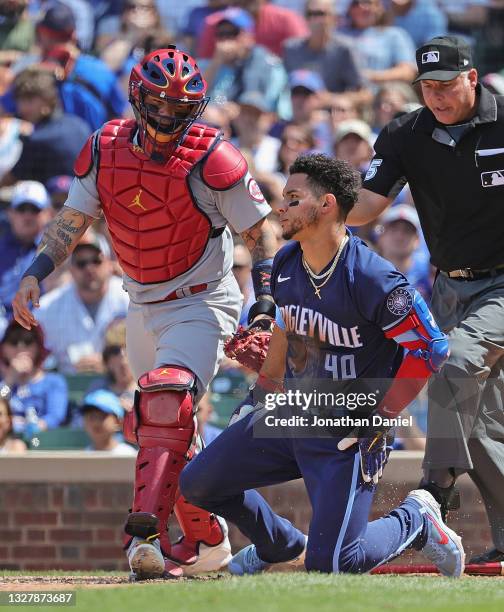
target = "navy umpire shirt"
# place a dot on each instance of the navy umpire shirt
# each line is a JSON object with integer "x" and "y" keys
{"x": 457, "y": 181}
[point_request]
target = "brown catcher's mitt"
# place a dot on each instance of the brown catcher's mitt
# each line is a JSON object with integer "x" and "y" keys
{"x": 249, "y": 346}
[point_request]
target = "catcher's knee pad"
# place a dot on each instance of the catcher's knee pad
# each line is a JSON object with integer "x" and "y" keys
{"x": 162, "y": 424}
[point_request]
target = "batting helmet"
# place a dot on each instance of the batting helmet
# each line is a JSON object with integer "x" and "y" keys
{"x": 167, "y": 93}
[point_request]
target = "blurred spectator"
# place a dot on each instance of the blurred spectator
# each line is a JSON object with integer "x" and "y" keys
{"x": 28, "y": 214}
{"x": 308, "y": 107}
{"x": 219, "y": 116}
{"x": 296, "y": 139}
{"x": 326, "y": 52}
{"x": 273, "y": 26}
{"x": 464, "y": 16}
{"x": 57, "y": 137}
{"x": 400, "y": 241}
{"x": 252, "y": 126}
{"x": 353, "y": 142}
{"x": 17, "y": 32}
{"x": 88, "y": 88}
{"x": 422, "y": 19}
{"x": 103, "y": 416}
{"x": 44, "y": 394}
{"x": 74, "y": 317}
{"x": 242, "y": 269}
{"x": 140, "y": 19}
{"x": 8, "y": 443}
{"x": 391, "y": 99}
{"x": 387, "y": 52}
{"x": 342, "y": 109}
{"x": 239, "y": 66}
{"x": 204, "y": 415}
{"x": 192, "y": 29}
{"x": 84, "y": 21}
{"x": 11, "y": 132}
{"x": 488, "y": 49}
{"x": 58, "y": 188}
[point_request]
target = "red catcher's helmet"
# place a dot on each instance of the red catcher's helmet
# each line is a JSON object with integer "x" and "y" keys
{"x": 173, "y": 78}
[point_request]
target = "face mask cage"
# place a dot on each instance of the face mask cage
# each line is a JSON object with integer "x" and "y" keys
{"x": 155, "y": 125}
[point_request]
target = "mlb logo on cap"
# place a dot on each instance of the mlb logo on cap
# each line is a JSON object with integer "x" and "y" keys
{"x": 430, "y": 56}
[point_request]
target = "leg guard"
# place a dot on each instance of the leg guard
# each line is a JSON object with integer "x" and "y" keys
{"x": 162, "y": 425}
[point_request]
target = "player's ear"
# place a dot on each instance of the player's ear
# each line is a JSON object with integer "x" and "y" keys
{"x": 329, "y": 201}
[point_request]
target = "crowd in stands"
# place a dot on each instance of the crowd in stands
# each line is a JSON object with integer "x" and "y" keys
{"x": 285, "y": 77}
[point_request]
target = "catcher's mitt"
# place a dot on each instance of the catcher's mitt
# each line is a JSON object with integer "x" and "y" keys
{"x": 249, "y": 346}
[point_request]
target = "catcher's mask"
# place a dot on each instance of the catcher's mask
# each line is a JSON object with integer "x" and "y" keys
{"x": 167, "y": 93}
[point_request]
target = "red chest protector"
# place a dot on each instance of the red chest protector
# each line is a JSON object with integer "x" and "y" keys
{"x": 158, "y": 231}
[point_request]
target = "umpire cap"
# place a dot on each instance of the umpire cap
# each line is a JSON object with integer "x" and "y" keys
{"x": 443, "y": 58}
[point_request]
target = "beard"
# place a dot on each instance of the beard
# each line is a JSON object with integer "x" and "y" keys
{"x": 298, "y": 224}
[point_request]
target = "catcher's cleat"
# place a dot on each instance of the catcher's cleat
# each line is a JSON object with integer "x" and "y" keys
{"x": 490, "y": 556}
{"x": 147, "y": 562}
{"x": 247, "y": 561}
{"x": 443, "y": 546}
{"x": 447, "y": 497}
{"x": 198, "y": 557}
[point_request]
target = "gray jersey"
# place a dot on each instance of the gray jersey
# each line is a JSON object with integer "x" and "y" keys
{"x": 238, "y": 206}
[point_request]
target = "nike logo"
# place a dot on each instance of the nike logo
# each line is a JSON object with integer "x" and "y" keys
{"x": 281, "y": 280}
{"x": 442, "y": 534}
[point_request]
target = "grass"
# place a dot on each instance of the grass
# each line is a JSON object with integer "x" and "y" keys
{"x": 298, "y": 592}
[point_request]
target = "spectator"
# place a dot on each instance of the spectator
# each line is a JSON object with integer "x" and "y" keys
{"x": 12, "y": 131}
{"x": 387, "y": 52}
{"x": 88, "y": 88}
{"x": 204, "y": 415}
{"x": 17, "y": 32}
{"x": 28, "y": 214}
{"x": 391, "y": 99}
{"x": 422, "y": 19}
{"x": 326, "y": 52}
{"x": 239, "y": 66}
{"x": 58, "y": 188}
{"x": 22, "y": 353}
{"x": 464, "y": 16}
{"x": 103, "y": 416}
{"x": 8, "y": 442}
{"x": 400, "y": 241}
{"x": 195, "y": 23}
{"x": 353, "y": 142}
{"x": 74, "y": 317}
{"x": 84, "y": 21}
{"x": 242, "y": 270}
{"x": 252, "y": 126}
{"x": 296, "y": 139}
{"x": 219, "y": 116}
{"x": 57, "y": 137}
{"x": 342, "y": 109}
{"x": 273, "y": 26}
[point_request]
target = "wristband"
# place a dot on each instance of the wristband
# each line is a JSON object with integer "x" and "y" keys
{"x": 261, "y": 277}
{"x": 40, "y": 267}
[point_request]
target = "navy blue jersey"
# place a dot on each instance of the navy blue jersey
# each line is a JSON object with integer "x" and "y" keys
{"x": 341, "y": 335}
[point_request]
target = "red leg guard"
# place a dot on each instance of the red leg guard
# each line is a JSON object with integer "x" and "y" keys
{"x": 164, "y": 431}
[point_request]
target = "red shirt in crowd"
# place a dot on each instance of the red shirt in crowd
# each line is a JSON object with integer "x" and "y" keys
{"x": 274, "y": 25}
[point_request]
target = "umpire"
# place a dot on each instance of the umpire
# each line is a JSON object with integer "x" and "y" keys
{"x": 451, "y": 152}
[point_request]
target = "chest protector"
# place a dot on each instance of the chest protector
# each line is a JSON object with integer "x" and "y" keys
{"x": 157, "y": 230}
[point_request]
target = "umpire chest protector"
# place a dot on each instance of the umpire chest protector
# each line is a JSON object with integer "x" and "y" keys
{"x": 157, "y": 229}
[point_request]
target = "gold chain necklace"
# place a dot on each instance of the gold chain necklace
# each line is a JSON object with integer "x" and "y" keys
{"x": 326, "y": 275}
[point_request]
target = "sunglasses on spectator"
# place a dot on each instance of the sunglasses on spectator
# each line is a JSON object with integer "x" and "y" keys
{"x": 362, "y": 2}
{"x": 80, "y": 264}
{"x": 18, "y": 340}
{"x": 316, "y": 13}
{"x": 27, "y": 208}
{"x": 227, "y": 33}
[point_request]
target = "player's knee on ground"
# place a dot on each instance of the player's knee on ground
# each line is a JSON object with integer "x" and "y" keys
{"x": 348, "y": 561}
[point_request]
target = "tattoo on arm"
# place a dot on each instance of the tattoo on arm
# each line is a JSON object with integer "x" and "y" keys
{"x": 63, "y": 233}
{"x": 260, "y": 240}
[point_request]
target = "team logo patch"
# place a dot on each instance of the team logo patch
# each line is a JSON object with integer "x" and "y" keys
{"x": 495, "y": 178}
{"x": 430, "y": 57}
{"x": 399, "y": 302}
{"x": 255, "y": 191}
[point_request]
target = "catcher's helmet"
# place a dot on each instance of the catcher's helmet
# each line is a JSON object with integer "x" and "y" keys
{"x": 167, "y": 93}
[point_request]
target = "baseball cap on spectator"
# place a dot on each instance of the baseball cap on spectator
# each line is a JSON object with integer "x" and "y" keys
{"x": 256, "y": 100}
{"x": 443, "y": 58}
{"x": 59, "y": 184}
{"x": 353, "y": 126}
{"x": 94, "y": 240}
{"x": 401, "y": 212}
{"x": 103, "y": 400}
{"x": 30, "y": 192}
{"x": 58, "y": 22}
{"x": 306, "y": 79}
{"x": 240, "y": 18}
